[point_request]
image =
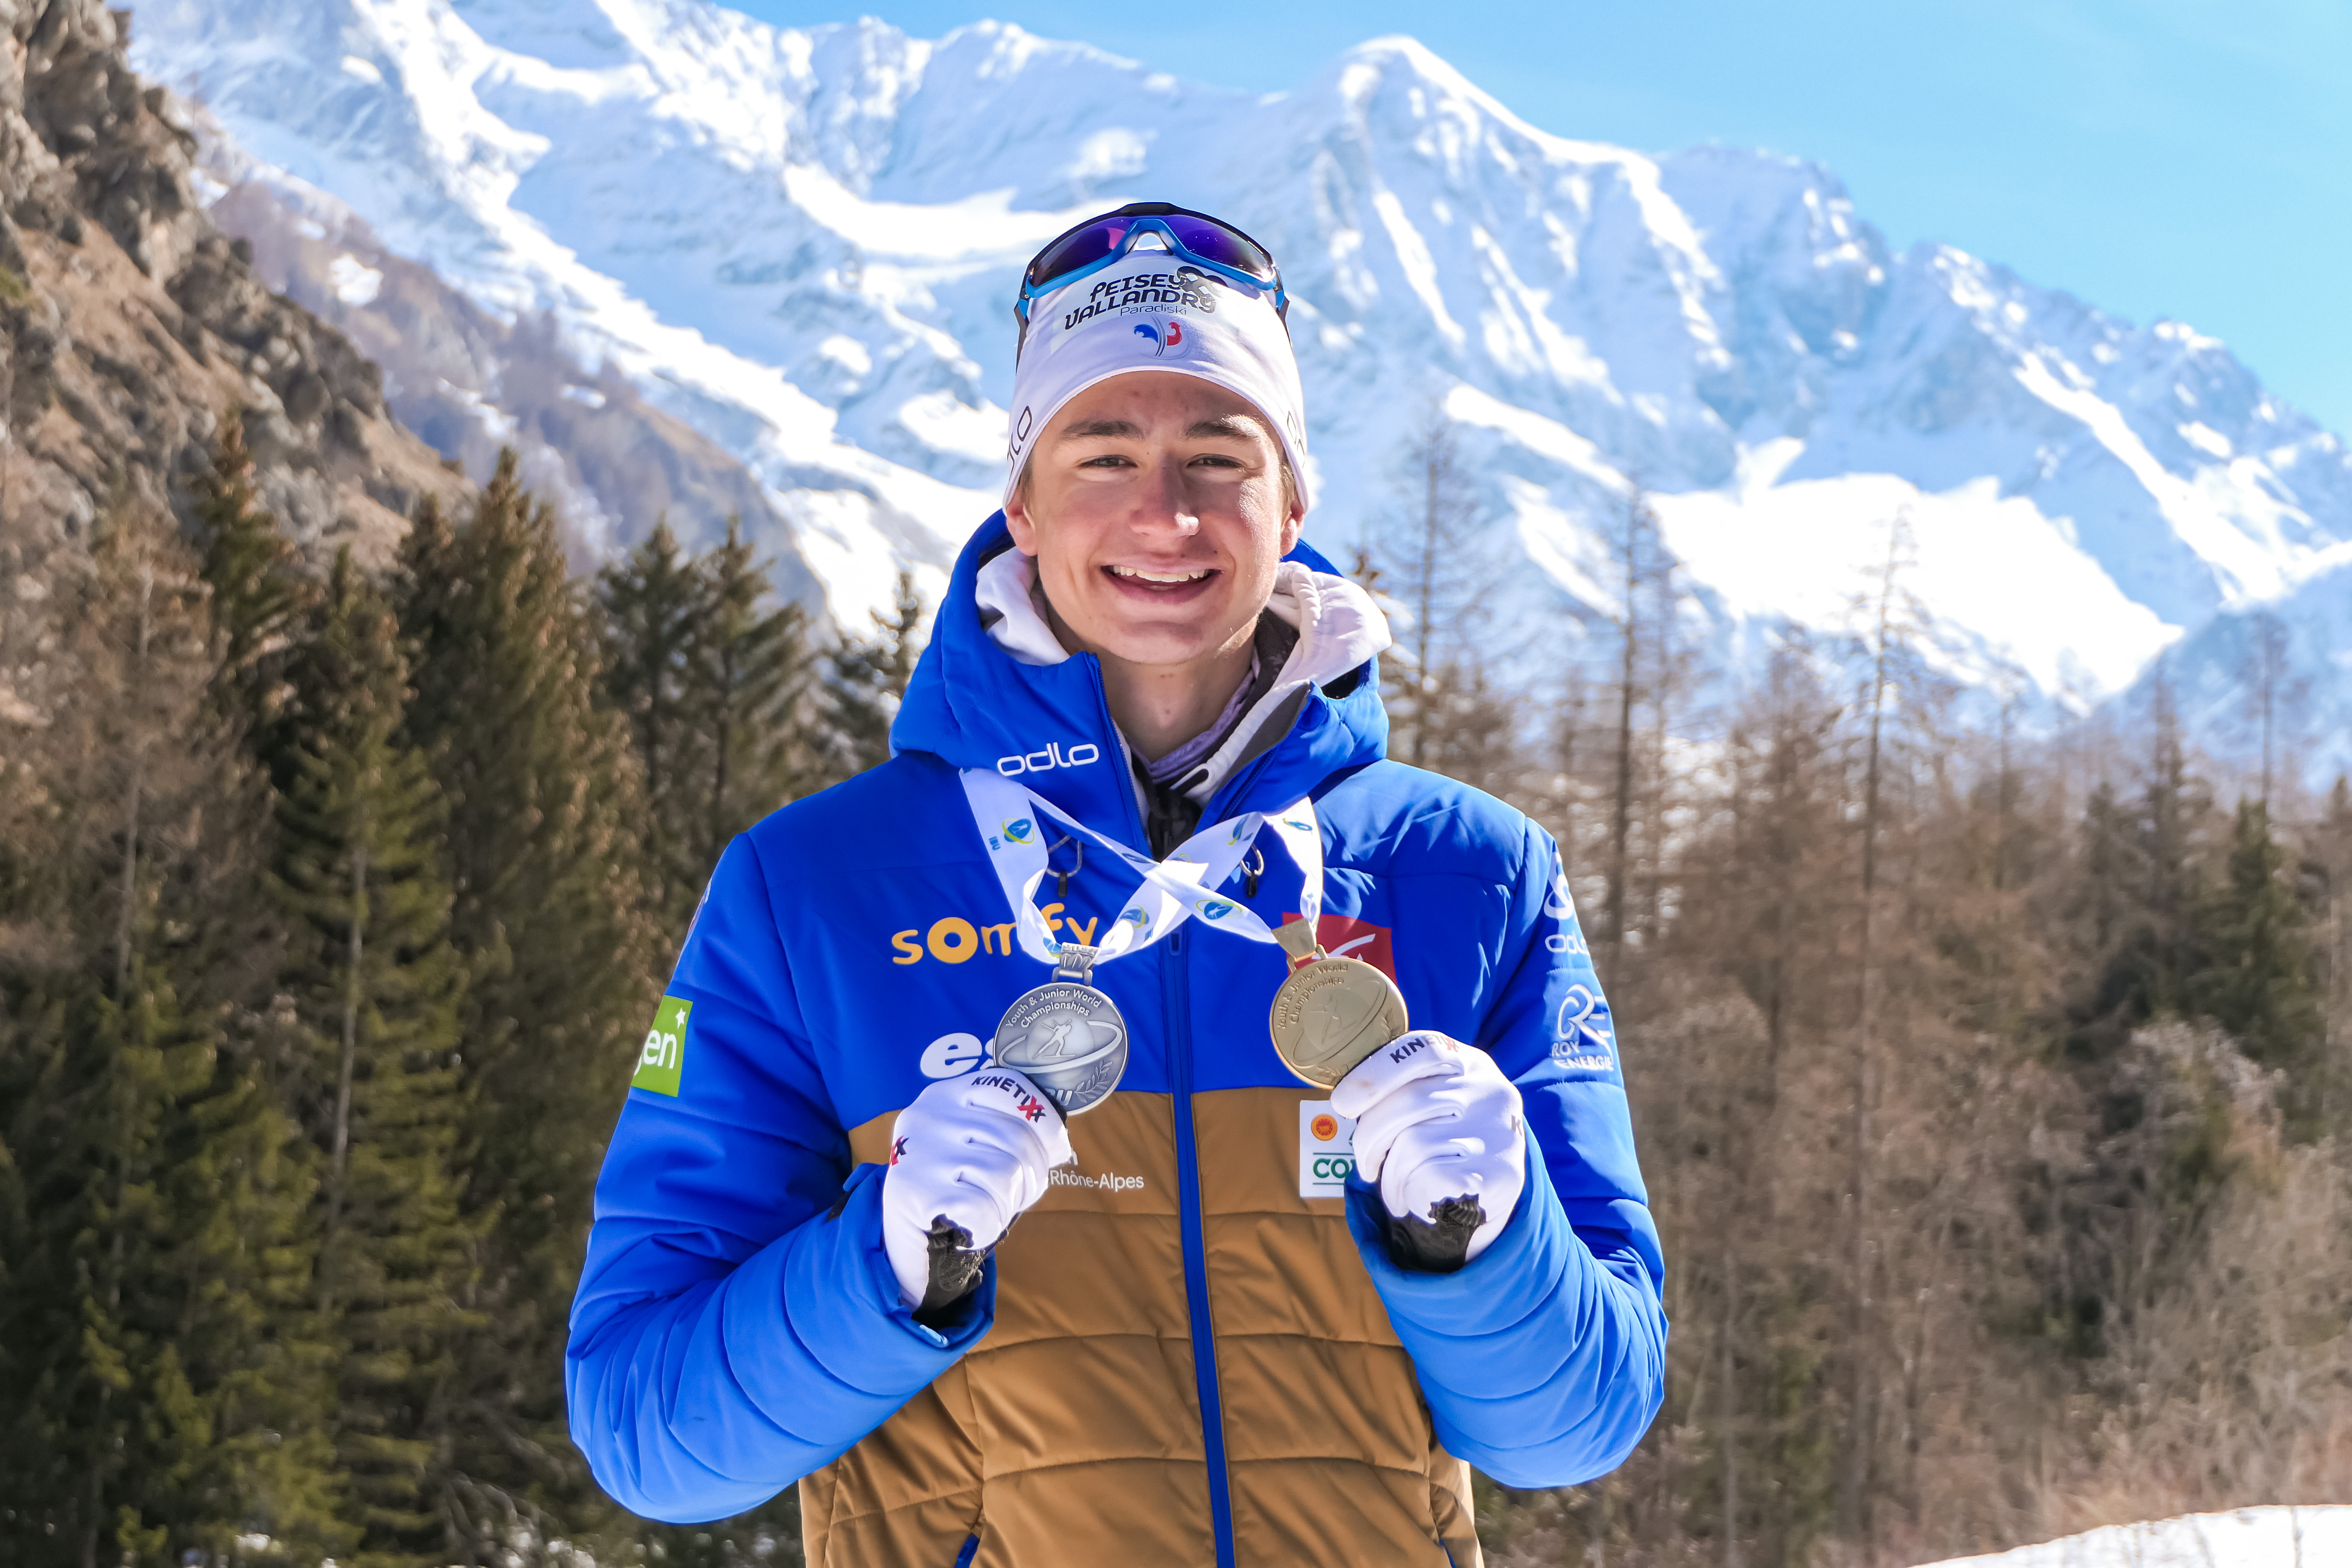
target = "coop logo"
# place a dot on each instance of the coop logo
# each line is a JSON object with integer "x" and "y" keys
{"x": 1046, "y": 760}
{"x": 1326, "y": 1151}
{"x": 1164, "y": 338}
{"x": 1582, "y": 1039}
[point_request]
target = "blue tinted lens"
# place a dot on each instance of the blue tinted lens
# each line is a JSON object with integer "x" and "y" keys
{"x": 1081, "y": 248}
{"x": 1204, "y": 237}
{"x": 1212, "y": 241}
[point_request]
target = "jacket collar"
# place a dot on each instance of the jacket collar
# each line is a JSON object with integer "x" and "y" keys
{"x": 973, "y": 703}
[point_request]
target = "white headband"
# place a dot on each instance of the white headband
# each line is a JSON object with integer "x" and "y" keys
{"x": 1151, "y": 311}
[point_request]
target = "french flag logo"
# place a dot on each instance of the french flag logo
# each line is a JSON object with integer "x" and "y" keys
{"x": 1162, "y": 338}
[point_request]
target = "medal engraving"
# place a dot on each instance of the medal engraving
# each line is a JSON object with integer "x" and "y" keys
{"x": 1066, "y": 1036}
{"x": 1332, "y": 1013}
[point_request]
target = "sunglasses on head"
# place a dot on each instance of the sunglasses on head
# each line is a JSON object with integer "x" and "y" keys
{"x": 1101, "y": 242}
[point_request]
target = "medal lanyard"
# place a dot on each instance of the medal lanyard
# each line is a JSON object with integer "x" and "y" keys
{"x": 1175, "y": 891}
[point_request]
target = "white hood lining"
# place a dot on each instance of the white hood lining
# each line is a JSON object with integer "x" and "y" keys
{"x": 1339, "y": 627}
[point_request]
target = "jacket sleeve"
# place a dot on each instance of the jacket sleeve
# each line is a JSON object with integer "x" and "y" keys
{"x": 737, "y": 1324}
{"x": 1544, "y": 1360}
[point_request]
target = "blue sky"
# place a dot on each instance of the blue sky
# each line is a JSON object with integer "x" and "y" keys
{"x": 2181, "y": 158}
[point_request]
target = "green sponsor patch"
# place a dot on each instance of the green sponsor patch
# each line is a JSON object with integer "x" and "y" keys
{"x": 664, "y": 1056}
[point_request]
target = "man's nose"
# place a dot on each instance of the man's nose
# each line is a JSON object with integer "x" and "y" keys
{"x": 1164, "y": 503}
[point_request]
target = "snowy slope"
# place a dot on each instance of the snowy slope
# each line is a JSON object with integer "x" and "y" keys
{"x": 2215, "y": 677}
{"x": 2249, "y": 1538}
{"x": 805, "y": 243}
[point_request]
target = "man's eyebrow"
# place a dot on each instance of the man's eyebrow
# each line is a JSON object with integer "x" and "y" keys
{"x": 1225, "y": 427}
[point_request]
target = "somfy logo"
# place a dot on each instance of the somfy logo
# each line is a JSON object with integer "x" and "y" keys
{"x": 1052, "y": 757}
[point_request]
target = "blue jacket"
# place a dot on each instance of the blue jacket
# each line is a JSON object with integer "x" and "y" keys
{"x": 1183, "y": 1354}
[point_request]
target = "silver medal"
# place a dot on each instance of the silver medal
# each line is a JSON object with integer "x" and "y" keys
{"x": 1066, "y": 1036}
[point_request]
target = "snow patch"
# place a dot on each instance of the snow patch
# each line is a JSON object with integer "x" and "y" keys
{"x": 354, "y": 282}
{"x": 2249, "y": 1538}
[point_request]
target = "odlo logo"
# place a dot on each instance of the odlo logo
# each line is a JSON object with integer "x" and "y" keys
{"x": 661, "y": 1061}
{"x": 1052, "y": 757}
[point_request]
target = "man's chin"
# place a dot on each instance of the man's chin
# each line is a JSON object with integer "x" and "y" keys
{"x": 1161, "y": 644}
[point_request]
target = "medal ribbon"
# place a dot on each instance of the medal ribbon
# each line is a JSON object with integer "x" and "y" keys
{"x": 1183, "y": 886}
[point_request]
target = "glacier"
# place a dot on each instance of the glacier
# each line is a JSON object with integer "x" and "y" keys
{"x": 804, "y": 243}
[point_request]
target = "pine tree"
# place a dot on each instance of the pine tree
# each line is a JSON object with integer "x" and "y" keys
{"x": 258, "y": 591}
{"x": 752, "y": 677}
{"x": 867, "y": 676}
{"x": 156, "y": 1338}
{"x": 2257, "y": 981}
{"x": 376, "y": 990}
{"x": 656, "y": 601}
{"x": 540, "y": 855}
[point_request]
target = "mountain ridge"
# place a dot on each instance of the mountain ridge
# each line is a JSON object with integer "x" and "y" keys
{"x": 803, "y": 242}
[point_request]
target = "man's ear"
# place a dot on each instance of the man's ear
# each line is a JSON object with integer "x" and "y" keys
{"x": 1017, "y": 520}
{"x": 1292, "y": 526}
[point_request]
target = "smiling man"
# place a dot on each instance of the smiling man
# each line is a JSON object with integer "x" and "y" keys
{"x": 1242, "y": 1319}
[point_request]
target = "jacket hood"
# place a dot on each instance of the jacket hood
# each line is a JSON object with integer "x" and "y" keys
{"x": 973, "y": 703}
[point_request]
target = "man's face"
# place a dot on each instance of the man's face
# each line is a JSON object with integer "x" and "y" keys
{"x": 1155, "y": 507}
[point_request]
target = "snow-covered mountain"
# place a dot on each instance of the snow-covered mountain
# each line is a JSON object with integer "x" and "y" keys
{"x": 805, "y": 243}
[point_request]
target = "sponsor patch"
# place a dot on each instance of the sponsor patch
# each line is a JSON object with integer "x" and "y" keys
{"x": 1327, "y": 1149}
{"x": 1345, "y": 936}
{"x": 661, "y": 1064}
{"x": 1584, "y": 1040}
{"x": 1071, "y": 1176}
{"x": 952, "y": 1056}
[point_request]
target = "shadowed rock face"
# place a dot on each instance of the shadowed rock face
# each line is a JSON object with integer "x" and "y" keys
{"x": 469, "y": 384}
{"x": 129, "y": 324}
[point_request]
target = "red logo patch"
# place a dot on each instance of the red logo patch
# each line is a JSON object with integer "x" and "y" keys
{"x": 1345, "y": 936}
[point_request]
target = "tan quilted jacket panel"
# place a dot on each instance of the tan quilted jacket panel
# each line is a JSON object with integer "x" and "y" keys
{"x": 1070, "y": 1436}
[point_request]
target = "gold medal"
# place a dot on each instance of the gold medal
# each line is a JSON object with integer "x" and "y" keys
{"x": 1331, "y": 1013}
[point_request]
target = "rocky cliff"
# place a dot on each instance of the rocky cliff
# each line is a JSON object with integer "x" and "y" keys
{"x": 129, "y": 325}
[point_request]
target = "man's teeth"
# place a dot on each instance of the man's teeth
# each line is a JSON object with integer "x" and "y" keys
{"x": 1139, "y": 573}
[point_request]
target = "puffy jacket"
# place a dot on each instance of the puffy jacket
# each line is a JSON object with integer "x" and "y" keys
{"x": 1175, "y": 1357}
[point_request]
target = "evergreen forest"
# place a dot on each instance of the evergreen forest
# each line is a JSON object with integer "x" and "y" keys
{"x": 1988, "y": 1077}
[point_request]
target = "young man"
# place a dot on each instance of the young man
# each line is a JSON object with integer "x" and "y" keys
{"x": 1205, "y": 1342}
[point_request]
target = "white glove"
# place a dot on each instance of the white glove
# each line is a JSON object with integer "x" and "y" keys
{"x": 1437, "y": 1126}
{"x": 966, "y": 1158}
